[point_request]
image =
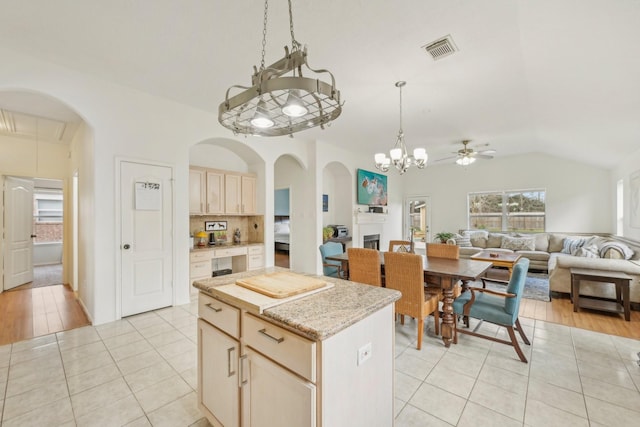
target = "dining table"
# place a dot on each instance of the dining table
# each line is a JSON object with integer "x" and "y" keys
{"x": 449, "y": 272}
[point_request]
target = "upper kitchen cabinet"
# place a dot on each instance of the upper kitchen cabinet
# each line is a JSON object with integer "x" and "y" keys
{"x": 197, "y": 192}
{"x": 215, "y": 192}
{"x": 240, "y": 194}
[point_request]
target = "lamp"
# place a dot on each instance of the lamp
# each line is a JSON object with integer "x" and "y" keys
{"x": 281, "y": 101}
{"x": 398, "y": 154}
{"x": 202, "y": 235}
{"x": 465, "y": 160}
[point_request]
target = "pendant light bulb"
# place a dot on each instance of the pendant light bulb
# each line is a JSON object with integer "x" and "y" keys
{"x": 261, "y": 118}
{"x": 294, "y": 107}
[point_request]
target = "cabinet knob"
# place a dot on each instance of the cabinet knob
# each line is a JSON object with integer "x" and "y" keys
{"x": 126, "y": 246}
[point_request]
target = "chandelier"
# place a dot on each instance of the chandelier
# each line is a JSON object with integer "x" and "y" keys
{"x": 398, "y": 154}
{"x": 281, "y": 101}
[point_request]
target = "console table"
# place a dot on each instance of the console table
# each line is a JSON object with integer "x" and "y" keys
{"x": 621, "y": 282}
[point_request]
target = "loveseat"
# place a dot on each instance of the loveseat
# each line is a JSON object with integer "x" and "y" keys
{"x": 557, "y": 253}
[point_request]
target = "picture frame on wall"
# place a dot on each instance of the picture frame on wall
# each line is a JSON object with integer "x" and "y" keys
{"x": 325, "y": 203}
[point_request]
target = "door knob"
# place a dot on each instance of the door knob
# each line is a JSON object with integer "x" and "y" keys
{"x": 126, "y": 246}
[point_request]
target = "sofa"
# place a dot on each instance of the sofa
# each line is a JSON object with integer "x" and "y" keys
{"x": 557, "y": 253}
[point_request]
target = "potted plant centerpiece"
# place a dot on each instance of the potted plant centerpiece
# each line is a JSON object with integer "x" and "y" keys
{"x": 443, "y": 236}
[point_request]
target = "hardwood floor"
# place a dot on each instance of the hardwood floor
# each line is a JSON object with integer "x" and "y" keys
{"x": 29, "y": 313}
{"x": 560, "y": 310}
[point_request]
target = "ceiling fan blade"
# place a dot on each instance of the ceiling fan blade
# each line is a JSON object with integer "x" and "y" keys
{"x": 445, "y": 158}
{"x": 489, "y": 151}
{"x": 482, "y": 156}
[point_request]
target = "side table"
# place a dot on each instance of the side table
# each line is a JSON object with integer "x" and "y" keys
{"x": 621, "y": 282}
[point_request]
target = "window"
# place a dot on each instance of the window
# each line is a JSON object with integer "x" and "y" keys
{"x": 520, "y": 211}
{"x": 47, "y": 206}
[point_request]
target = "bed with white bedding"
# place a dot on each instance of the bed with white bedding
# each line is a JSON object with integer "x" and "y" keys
{"x": 281, "y": 233}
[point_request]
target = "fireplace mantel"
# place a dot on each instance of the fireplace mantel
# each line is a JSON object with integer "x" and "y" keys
{"x": 370, "y": 218}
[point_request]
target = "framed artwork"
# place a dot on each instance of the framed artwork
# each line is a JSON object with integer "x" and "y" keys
{"x": 634, "y": 205}
{"x": 372, "y": 188}
{"x": 215, "y": 225}
{"x": 325, "y": 203}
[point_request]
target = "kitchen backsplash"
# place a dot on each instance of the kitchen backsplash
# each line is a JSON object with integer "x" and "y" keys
{"x": 251, "y": 227}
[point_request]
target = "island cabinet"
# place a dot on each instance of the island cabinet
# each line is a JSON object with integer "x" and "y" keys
{"x": 253, "y": 372}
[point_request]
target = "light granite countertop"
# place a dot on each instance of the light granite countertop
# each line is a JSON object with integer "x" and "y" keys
{"x": 320, "y": 315}
{"x": 197, "y": 248}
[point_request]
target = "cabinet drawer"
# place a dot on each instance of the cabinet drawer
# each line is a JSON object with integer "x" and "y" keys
{"x": 200, "y": 256}
{"x": 197, "y": 269}
{"x": 219, "y": 314}
{"x": 292, "y": 351}
{"x": 255, "y": 250}
{"x": 255, "y": 262}
{"x": 221, "y": 253}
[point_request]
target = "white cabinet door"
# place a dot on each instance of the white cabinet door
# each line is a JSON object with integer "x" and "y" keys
{"x": 248, "y": 194}
{"x": 215, "y": 192}
{"x": 197, "y": 185}
{"x": 274, "y": 396}
{"x": 218, "y": 392}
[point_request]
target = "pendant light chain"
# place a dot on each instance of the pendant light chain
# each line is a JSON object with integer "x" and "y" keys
{"x": 294, "y": 43}
{"x": 264, "y": 33}
{"x": 400, "y": 132}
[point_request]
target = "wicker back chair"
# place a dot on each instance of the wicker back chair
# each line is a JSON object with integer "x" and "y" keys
{"x": 400, "y": 246}
{"x": 364, "y": 266}
{"x": 404, "y": 272}
{"x": 442, "y": 250}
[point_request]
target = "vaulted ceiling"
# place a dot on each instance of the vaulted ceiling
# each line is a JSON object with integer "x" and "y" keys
{"x": 552, "y": 76}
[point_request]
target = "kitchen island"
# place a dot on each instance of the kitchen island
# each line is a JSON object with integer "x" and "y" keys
{"x": 325, "y": 359}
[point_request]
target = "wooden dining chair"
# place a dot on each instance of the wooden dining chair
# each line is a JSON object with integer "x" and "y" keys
{"x": 404, "y": 272}
{"x": 364, "y": 266}
{"x": 499, "y": 308}
{"x": 442, "y": 250}
{"x": 400, "y": 246}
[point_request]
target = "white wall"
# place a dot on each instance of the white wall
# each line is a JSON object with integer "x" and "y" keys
{"x": 579, "y": 197}
{"x": 624, "y": 171}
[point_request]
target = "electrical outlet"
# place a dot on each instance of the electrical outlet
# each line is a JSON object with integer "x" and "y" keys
{"x": 364, "y": 353}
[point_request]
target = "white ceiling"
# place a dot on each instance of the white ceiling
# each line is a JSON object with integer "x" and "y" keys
{"x": 554, "y": 76}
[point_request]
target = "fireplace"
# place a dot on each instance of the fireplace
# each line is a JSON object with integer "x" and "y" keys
{"x": 371, "y": 241}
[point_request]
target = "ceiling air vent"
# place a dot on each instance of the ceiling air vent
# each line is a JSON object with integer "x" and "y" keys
{"x": 441, "y": 48}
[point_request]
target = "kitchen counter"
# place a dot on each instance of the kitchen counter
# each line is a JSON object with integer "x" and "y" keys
{"x": 224, "y": 246}
{"x": 321, "y": 315}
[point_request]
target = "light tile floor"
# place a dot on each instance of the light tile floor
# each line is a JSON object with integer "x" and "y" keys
{"x": 141, "y": 371}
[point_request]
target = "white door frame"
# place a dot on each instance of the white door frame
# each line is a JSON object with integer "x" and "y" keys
{"x": 118, "y": 230}
{"x": 405, "y": 216}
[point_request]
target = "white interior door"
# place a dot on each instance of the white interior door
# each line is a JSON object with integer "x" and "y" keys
{"x": 18, "y": 229}
{"x": 146, "y": 243}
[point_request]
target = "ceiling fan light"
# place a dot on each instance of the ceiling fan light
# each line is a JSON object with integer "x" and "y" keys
{"x": 465, "y": 160}
{"x": 294, "y": 106}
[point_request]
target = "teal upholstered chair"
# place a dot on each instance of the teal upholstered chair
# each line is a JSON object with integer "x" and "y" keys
{"x": 329, "y": 267}
{"x": 500, "y": 308}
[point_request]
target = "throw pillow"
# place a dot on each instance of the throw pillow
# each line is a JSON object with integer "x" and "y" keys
{"x": 620, "y": 247}
{"x": 478, "y": 237}
{"x": 494, "y": 240}
{"x": 518, "y": 243}
{"x": 556, "y": 241}
{"x": 463, "y": 242}
{"x": 590, "y": 251}
{"x": 570, "y": 244}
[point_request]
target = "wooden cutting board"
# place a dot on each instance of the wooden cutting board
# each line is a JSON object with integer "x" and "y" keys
{"x": 281, "y": 284}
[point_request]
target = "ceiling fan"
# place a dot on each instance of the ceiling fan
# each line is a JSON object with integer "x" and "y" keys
{"x": 467, "y": 155}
